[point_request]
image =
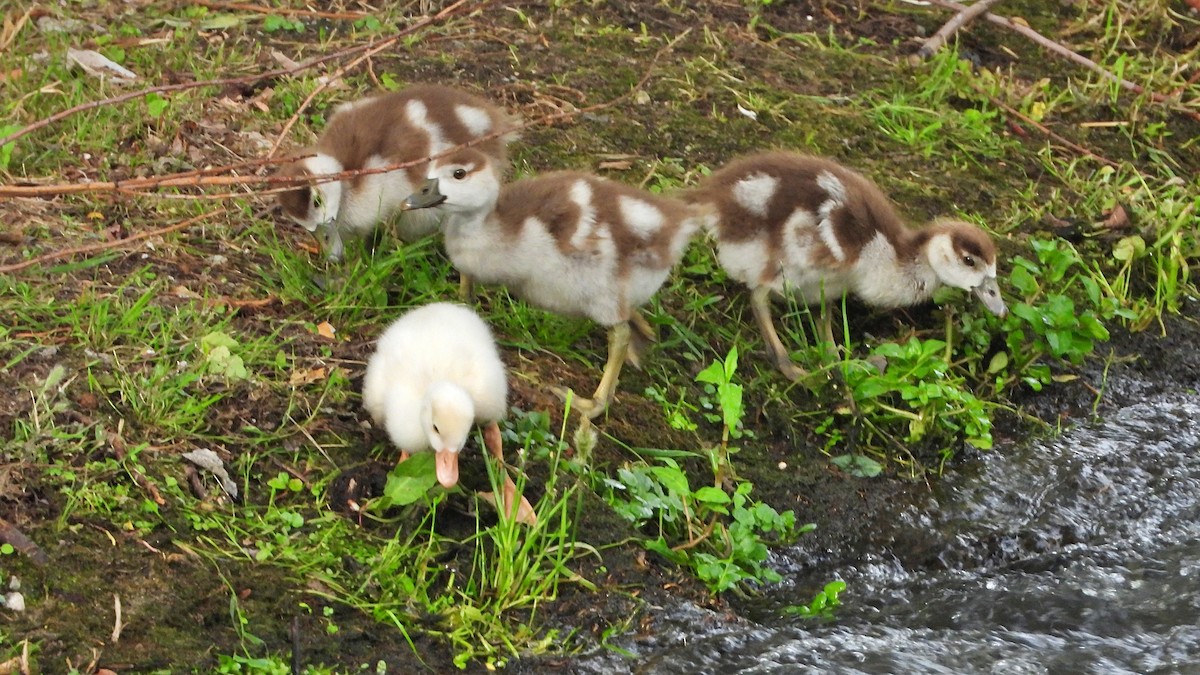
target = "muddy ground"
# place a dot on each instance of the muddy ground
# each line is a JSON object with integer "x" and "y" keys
{"x": 564, "y": 57}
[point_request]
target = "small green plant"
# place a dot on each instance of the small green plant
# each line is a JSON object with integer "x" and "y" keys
{"x": 718, "y": 381}
{"x": 1046, "y": 321}
{"x": 717, "y": 531}
{"x": 917, "y": 401}
{"x": 721, "y": 537}
{"x": 823, "y": 603}
{"x": 273, "y": 23}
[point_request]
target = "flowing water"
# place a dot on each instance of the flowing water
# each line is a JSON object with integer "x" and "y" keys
{"x": 1079, "y": 554}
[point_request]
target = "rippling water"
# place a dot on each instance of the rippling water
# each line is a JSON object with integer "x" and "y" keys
{"x": 1079, "y": 554}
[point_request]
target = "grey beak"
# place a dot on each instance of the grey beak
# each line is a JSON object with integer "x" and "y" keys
{"x": 427, "y": 196}
{"x": 989, "y": 293}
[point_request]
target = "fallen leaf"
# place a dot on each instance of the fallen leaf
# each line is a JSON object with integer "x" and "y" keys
{"x": 185, "y": 292}
{"x": 1117, "y": 219}
{"x": 299, "y": 378}
{"x": 283, "y": 60}
{"x": 99, "y": 65}
{"x": 211, "y": 462}
{"x": 326, "y": 330}
{"x": 1194, "y": 4}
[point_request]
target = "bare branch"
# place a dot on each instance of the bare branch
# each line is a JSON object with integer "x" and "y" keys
{"x": 1062, "y": 51}
{"x": 952, "y": 26}
{"x": 449, "y": 11}
{"x": 285, "y": 11}
{"x": 4, "y": 269}
{"x": 1053, "y": 136}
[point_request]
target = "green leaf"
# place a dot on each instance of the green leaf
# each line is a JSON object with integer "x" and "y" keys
{"x": 998, "y": 363}
{"x": 858, "y": 465}
{"x": 1129, "y": 248}
{"x": 6, "y": 150}
{"x": 410, "y": 480}
{"x": 672, "y": 479}
{"x": 223, "y": 362}
{"x": 217, "y": 339}
{"x": 713, "y": 374}
{"x": 712, "y": 495}
{"x": 222, "y": 22}
{"x": 156, "y": 105}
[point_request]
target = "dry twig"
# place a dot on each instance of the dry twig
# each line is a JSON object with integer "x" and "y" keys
{"x": 1042, "y": 128}
{"x": 953, "y": 26}
{"x": 286, "y": 11}
{"x": 1066, "y": 53}
{"x": 447, "y": 12}
{"x": 92, "y": 248}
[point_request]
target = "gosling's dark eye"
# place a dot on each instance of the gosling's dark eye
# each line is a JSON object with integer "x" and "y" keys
{"x": 968, "y": 261}
{"x": 436, "y": 430}
{"x": 460, "y": 174}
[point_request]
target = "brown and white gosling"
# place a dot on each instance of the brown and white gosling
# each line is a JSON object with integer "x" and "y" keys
{"x": 380, "y": 131}
{"x": 568, "y": 242}
{"x": 787, "y": 222}
{"x": 435, "y": 373}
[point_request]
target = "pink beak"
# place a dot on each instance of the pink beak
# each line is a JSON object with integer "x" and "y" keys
{"x": 447, "y": 467}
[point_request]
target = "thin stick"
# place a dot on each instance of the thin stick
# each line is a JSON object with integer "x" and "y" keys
{"x": 92, "y": 248}
{"x": 116, "y": 634}
{"x": 191, "y": 179}
{"x": 952, "y": 26}
{"x": 1042, "y": 128}
{"x": 238, "y": 7}
{"x": 1062, "y": 51}
{"x": 449, "y": 11}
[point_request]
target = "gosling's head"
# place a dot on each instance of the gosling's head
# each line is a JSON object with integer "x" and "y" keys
{"x": 463, "y": 182}
{"x": 312, "y": 204}
{"x": 964, "y": 256}
{"x": 447, "y": 416}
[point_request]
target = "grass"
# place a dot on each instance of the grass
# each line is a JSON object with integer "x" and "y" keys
{"x": 117, "y": 363}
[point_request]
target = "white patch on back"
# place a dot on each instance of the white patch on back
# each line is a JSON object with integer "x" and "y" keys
{"x": 476, "y": 120}
{"x": 418, "y": 114}
{"x": 581, "y": 194}
{"x": 837, "y": 198}
{"x": 746, "y": 261}
{"x": 754, "y": 193}
{"x": 641, "y": 217}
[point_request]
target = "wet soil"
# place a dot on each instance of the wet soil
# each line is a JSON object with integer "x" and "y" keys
{"x": 571, "y": 55}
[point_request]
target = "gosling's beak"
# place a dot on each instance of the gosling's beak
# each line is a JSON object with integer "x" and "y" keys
{"x": 447, "y": 467}
{"x": 989, "y": 293}
{"x": 427, "y": 196}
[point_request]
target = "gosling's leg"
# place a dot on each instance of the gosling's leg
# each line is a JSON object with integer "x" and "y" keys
{"x": 522, "y": 511}
{"x": 466, "y": 289}
{"x": 618, "y": 349}
{"x": 760, "y": 302}
{"x": 642, "y": 337}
